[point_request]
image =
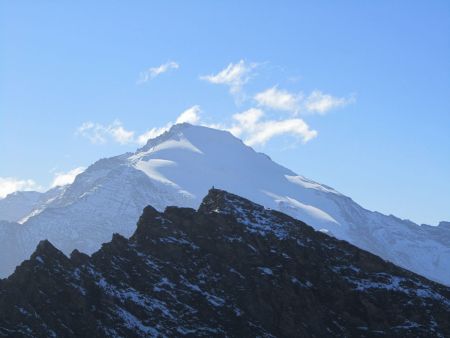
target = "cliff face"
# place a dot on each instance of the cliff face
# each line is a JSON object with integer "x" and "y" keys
{"x": 232, "y": 268}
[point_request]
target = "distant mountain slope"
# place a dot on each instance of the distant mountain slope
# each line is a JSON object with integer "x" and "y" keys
{"x": 178, "y": 168}
{"x": 231, "y": 269}
{"x": 17, "y": 205}
{"x": 20, "y": 204}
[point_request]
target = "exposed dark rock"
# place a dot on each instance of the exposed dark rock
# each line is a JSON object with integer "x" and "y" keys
{"x": 233, "y": 269}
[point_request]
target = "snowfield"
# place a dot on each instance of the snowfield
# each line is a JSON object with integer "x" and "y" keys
{"x": 178, "y": 168}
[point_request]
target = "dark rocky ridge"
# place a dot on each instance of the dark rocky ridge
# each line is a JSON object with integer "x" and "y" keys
{"x": 233, "y": 269}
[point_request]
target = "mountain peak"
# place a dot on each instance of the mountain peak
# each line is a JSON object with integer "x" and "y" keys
{"x": 168, "y": 134}
{"x": 45, "y": 247}
{"x": 222, "y": 201}
{"x": 45, "y": 251}
{"x": 180, "y": 126}
{"x": 185, "y": 126}
{"x": 196, "y": 134}
{"x": 145, "y": 221}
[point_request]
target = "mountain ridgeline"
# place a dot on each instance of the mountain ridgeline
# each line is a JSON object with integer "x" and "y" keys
{"x": 232, "y": 268}
{"x": 177, "y": 168}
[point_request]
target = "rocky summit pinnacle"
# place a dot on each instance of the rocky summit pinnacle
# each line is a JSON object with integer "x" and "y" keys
{"x": 232, "y": 268}
{"x": 45, "y": 250}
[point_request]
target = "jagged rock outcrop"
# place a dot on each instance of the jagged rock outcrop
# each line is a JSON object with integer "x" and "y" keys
{"x": 232, "y": 268}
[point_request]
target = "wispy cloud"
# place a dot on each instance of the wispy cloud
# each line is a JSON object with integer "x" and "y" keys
{"x": 315, "y": 103}
{"x": 190, "y": 115}
{"x": 255, "y": 130}
{"x": 63, "y": 178}
{"x": 235, "y": 75}
{"x": 279, "y": 99}
{"x": 320, "y": 103}
{"x": 153, "y": 72}
{"x": 151, "y": 133}
{"x": 251, "y": 125}
{"x": 98, "y": 133}
{"x": 9, "y": 185}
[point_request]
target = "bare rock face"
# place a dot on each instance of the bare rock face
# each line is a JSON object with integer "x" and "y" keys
{"x": 232, "y": 268}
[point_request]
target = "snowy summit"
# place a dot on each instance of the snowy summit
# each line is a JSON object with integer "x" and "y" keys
{"x": 178, "y": 168}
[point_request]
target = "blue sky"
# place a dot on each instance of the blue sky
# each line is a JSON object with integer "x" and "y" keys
{"x": 359, "y": 90}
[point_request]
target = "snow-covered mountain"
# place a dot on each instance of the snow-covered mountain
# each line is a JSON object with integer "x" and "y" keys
{"x": 19, "y": 205}
{"x": 179, "y": 167}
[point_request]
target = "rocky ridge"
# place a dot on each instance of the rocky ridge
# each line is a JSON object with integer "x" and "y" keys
{"x": 233, "y": 268}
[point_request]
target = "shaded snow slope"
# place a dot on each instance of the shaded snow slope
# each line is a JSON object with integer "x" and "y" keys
{"x": 17, "y": 205}
{"x": 180, "y": 166}
{"x": 20, "y": 205}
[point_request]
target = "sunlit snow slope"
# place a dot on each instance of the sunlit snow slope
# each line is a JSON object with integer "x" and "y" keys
{"x": 178, "y": 168}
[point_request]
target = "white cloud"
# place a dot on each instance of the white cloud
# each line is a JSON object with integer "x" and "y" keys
{"x": 235, "y": 75}
{"x": 315, "y": 103}
{"x": 248, "y": 120}
{"x": 190, "y": 115}
{"x": 269, "y": 129}
{"x": 120, "y": 134}
{"x": 153, "y": 72}
{"x": 61, "y": 179}
{"x": 9, "y": 185}
{"x": 318, "y": 102}
{"x": 251, "y": 125}
{"x": 152, "y": 133}
{"x": 98, "y": 133}
{"x": 256, "y": 131}
{"x": 279, "y": 99}
{"x": 92, "y": 131}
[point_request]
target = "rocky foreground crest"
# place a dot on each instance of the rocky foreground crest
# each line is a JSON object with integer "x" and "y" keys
{"x": 232, "y": 268}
